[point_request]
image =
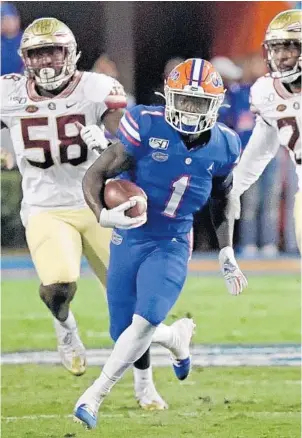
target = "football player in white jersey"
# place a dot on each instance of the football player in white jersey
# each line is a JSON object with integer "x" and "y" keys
{"x": 45, "y": 112}
{"x": 276, "y": 100}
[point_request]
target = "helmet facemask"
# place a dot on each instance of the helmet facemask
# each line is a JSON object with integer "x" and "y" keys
{"x": 289, "y": 69}
{"x": 191, "y": 112}
{"x": 50, "y": 65}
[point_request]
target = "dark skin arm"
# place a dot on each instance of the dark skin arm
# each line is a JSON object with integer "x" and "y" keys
{"x": 111, "y": 120}
{"x": 222, "y": 220}
{"x": 111, "y": 163}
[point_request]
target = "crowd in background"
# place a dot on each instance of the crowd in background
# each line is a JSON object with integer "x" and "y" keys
{"x": 266, "y": 223}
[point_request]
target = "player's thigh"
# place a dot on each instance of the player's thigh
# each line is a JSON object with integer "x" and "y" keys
{"x": 298, "y": 218}
{"x": 55, "y": 247}
{"x": 160, "y": 280}
{"x": 121, "y": 288}
{"x": 96, "y": 243}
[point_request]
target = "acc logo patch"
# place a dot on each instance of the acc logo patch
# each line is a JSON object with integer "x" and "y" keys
{"x": 32, "y": 109}
{"x": 281, "y": 107}
{"x": 159, "y": 156}
{"x": 158, "y": 143}
{"x": 116, "y": 239}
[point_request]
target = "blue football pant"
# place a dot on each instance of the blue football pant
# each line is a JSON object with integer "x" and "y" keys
{"x": 145, "y": 278}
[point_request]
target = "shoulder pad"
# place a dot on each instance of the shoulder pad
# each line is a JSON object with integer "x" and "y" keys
{"x": 11, "y": 84}
{"x": 260, "y": 92}
{"x": 96, "y": 86}
{"x": 232, "y": 139}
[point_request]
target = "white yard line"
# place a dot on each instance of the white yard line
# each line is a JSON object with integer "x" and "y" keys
{"x": 202, "y": 355}
{"x": 140, "y": 414}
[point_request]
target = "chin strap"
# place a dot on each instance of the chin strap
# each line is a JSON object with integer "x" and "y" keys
{"x": 158, "y": 93}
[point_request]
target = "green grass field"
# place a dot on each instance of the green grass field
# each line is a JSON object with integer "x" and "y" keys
{"x": 214, "y": 402}
{"x": 268, "y": 312}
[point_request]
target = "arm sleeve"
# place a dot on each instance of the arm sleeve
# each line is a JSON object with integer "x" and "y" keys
{"x": 129, "y": 132}
{"x": 261, "y": 148}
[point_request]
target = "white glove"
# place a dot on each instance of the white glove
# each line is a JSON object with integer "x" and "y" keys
{"x": 115, "y": 217}
{"x": 234, "y": 278}
{"x": 93, "y": 136}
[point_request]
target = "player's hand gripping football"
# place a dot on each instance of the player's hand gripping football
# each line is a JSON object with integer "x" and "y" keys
{"x": 115, "y": 217}
{"x": 93, "y": 136}
{"x": 234, "y": 278}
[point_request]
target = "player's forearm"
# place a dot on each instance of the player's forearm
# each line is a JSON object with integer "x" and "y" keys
{"x": 223, "y": 221}
{"x": 112, "y": 162}
{"x": 93, "y": 182}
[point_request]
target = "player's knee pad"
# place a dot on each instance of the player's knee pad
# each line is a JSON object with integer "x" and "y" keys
{"x": 57, "y": 297}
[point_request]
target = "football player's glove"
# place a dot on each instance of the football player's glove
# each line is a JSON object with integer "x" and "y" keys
{"x": 93, "y": 136}
{"x": 234, "y": 278}
{"x": 115, "y": 217}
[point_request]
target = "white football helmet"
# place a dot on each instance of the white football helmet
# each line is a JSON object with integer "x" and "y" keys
{"x": 49, "y": 52}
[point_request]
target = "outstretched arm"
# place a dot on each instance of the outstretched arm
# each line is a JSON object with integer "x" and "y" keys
{"x": 260, "y": 150}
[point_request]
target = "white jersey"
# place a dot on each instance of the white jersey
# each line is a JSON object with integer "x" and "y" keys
{"x": 50, "y": 153}
{"x": 278, "y": 123}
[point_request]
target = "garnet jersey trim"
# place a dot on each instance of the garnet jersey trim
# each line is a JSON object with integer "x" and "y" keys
{"x": 33, "y": 95}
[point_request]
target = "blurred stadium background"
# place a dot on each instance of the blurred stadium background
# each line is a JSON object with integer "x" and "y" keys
{"x": 246, "y": 381}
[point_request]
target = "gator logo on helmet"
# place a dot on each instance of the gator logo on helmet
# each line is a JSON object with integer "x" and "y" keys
{"x": 174, "y": 75}
{"x": 216, "y": 80}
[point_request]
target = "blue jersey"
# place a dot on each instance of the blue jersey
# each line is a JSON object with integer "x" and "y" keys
{"x": 239, "y": 115}
{"x": 177, "y": 181}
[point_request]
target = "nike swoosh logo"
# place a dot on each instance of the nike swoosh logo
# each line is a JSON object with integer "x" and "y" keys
{"x": 69, "y": 105}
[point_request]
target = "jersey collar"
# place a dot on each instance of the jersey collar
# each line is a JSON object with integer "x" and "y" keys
{"x": 33, "y": 95}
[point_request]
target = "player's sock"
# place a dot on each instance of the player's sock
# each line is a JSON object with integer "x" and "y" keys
{"x": 70, "y": 322}
{"x": 176, "y": 337}
{"x": 142, "y": 378}
{"x": 129, "y": 347}
{"x": 142, "y": 372}
{"x": 165, "y": 336}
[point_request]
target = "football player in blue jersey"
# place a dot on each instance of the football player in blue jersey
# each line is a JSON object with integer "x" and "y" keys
{"x": 181, "y": 157}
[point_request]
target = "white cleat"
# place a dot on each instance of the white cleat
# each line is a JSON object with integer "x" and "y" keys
{"x": 71, "y": 349}
{"x": 180, "y": 353}
{"x": 150, "y": 400}
{"x": 86, "y": 409}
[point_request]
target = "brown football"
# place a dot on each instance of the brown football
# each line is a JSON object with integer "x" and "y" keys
{"x": 118, "y": 191}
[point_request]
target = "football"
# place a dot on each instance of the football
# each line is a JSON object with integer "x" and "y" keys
{"x": 119, "y": 191}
